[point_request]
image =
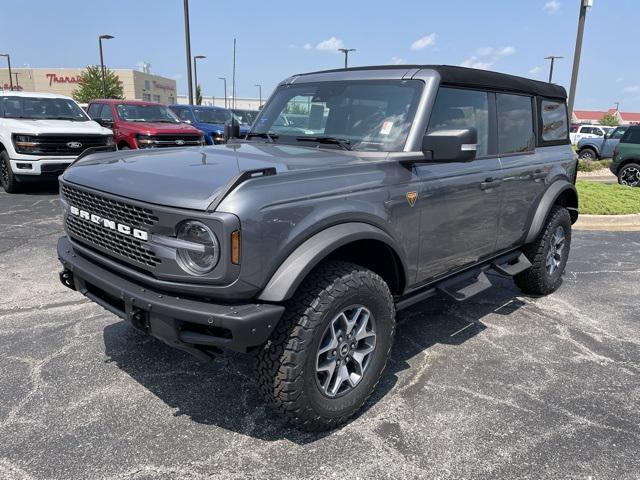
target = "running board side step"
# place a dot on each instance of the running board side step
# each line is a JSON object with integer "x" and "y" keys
{"x": 463, "y": 288}
{"x": 511, "y": 266}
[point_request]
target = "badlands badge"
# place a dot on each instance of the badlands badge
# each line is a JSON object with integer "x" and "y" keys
{"x": 412, "y": 197}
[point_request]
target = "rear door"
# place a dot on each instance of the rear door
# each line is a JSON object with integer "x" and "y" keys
{"x": 459, "y": 201}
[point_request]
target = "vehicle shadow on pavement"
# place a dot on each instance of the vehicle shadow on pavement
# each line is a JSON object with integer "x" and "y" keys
{"x": 224, "y": 393}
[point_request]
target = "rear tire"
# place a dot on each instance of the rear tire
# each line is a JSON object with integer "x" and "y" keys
{"x": 588, "y": 154}
{"x": 7, "y": 177}
{"x": 298, "y": 368}
{"x": 548, "y": 255}
{"x": 629, "y": 175}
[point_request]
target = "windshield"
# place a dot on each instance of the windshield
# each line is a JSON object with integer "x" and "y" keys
{"x": 245, "y": 116}
{"x": 146, "y": 113}
{"x": 356, "y": 115}
{"x": 41, "y": 108}
{"x": 212, "y": 115}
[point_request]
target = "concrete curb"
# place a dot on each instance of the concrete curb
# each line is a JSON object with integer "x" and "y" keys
{"x": 608, "y": 222}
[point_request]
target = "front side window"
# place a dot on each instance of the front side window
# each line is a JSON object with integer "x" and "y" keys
{"x": 41, "y": 108}
{"x": 212, "y": 115}
{"x": 618, "y": 133}
{"x": 515, "y": 123}
{"x": 632, "y": 136}
{"x": 554, "y": 120}
{"x": 457, "y": 108}
{"x": 183, "y": 114}
{"x": 146, "y": 113}
{"x": 94, "y": 110}
{"x": 358, "y": 115}
{"x": 106, "y": 113}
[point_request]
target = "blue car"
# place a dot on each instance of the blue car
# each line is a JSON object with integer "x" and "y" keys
{"x": 210, "y": 120}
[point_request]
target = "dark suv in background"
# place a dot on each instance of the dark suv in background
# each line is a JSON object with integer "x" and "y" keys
{"x": 626, "y": 158}
{"x": 301, "y": 243}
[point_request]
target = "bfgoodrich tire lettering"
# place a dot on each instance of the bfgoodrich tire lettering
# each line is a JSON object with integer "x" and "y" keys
{"x": 286, "y": 365}
{"x": 548, "y": 255}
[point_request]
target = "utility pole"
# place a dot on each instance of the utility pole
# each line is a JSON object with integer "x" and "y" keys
{"x": 9, "y": 65}
{"x": 346, "y": 55}
{"x": 259, "y": 93}
{"x": 104, "y": 81}
{"x": 617, "y": 104}
{"x": 553, "y": 59}
{"x": 187, "y": 41}
{"x": 195, "y": 74}
{"x": 224, "y": 79}
{"x": 584, "y": 5}
{"x": 17, "y": 84}
{"x": 233, "y": 81}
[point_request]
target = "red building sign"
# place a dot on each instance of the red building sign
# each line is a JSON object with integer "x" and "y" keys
{"x": 54, "y": 78}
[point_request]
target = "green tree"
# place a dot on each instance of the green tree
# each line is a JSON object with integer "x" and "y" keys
{"x": 609, "y": 120}
{"x": 91, "y": 85}
{"x": 198, "y": 95}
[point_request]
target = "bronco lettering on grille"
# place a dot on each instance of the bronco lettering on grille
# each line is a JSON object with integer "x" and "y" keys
{"x": 110, "y": 224}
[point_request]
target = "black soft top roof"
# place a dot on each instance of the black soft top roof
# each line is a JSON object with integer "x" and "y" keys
{"x": 472, "y": 77}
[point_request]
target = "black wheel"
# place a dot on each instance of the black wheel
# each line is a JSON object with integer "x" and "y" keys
{"x": 7, "y": 177}
{"x": 629, "y": 175}
{"x": 548, "y": 255}
{"x": 329, "y": 350}
{"x": 588, "y": 154}
{"x": 124, "y": 146}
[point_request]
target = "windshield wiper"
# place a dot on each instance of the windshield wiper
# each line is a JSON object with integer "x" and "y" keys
{"x": 341, "y": 142}
{"x": 272, "y": 137}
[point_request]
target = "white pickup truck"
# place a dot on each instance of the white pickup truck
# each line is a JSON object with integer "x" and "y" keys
{"x": 578, "y": 132}
{"x": 41, "y": 134}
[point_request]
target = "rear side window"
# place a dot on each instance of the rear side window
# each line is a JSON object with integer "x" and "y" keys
{"x": 515, "y": 123}
{"x": 456, "y": 108}
{"x": 632, "y": 136}
{"x": 554, "y": 120}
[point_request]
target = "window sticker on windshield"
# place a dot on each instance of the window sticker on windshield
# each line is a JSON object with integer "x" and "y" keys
{"x": 386, "y": 128}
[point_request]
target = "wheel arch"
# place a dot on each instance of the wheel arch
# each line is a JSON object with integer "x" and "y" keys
{"x": 560, "y": 192}
{"x": 595, "y": 149}
{"x": 356, "y": 242}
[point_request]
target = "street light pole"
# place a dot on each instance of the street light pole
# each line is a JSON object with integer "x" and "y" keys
{"x": 553, "y": 59}
{"x": 104, "y": 82}
{"x": 259, "y": 93}
{"x": 187, "y": 41}
{"x": 224, "y": 79}
{"x": 584, "y": 5}
{"x": 9, "y": 65}
{"x": 346, "y": 55}
{"x": 195, "y": 73}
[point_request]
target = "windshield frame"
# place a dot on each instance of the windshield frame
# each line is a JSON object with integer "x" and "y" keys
{"x": 142, "y": 105}
{"x": 399, "y": 144}
{"x": 81, "y": 114}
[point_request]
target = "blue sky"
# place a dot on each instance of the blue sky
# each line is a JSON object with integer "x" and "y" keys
{"x": 280, "y": 37}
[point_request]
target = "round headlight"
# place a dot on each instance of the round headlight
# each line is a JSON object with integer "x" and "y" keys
{"x": 203, "y": 256}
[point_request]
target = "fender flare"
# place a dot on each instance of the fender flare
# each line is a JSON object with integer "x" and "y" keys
{"x": 544, "y": 206}
{"x": 306, "y": 256}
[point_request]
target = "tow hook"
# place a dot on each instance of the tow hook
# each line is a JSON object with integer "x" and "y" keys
{"x": 66, "y": 277}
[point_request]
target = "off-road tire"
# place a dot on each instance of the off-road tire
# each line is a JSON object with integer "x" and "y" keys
{"x": 588, "y": 154}
{"x": 622, "y": 171}
{"x": 7, "y": 177}
{"x": 536, "y": 280}
{"x": 286, "y": 365}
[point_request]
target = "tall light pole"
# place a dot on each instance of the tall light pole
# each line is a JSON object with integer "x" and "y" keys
{"x": 617, "y": 104}
{"x": 346, "y": 55}
{"x": 233, "y": 79}
{"x": 195, "y": 73}
{"x": 104, "y": 81}
{"x": 553, "y": 58}
{"x": 9, "y": 65}
{"x": 584, "y": 5}
{"x": 259, "y": 93}
{"x": 187, "y": 41}
{"x": 224, "y": 79}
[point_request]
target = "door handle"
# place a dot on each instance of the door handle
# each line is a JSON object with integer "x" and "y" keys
{"x": 490, "y": 183}
{"x": 538, "y": 174}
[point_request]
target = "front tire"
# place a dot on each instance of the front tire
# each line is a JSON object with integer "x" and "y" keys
{"x": 548, "y": 255}
{"x": 629, "y": 175}
{"x": 7, "y": 177}
{"x": 329, "y": 350}
{"x": 588, "y": 154}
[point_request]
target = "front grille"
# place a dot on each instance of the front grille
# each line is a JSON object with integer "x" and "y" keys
{"x": 53, "y": 168}
{"x": 59, "y": 144}
{"x": 112, "y": 241}
{"x": 155, "y": 141}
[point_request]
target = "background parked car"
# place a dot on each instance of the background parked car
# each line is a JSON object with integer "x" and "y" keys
{"x": 246, "y": 116}
{"x": 587, "y": 131}
{"x": 137, "y": 124}
{"x": 626, "y": 158}
{"x": 210, "y": 120}
{"x": 595, "y": 148}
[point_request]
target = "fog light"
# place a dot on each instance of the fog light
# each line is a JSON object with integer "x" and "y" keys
{"x": 24, "y": 166}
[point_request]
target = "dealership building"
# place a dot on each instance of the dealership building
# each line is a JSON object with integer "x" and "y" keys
{"x": 137, "y": 85}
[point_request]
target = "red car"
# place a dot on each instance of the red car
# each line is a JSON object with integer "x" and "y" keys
{"x": 138, "y": 124}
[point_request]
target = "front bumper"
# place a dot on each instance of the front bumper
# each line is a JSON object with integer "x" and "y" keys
{"x": 39, "y": 166}
{"x": 196, "y": 326}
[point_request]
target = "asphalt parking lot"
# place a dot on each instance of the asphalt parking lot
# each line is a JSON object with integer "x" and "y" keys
{"x": 502, "y": 386}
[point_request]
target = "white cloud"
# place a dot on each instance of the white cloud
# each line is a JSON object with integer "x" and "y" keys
{"x": 475, "y": 62}
{"x": 499, "y": 51}
{"x": 619, "y": 79}
{"x": 424, "y": 42}
{"x": 631, "y": 89}
{"x": 535, "y": 70}
{"x": 332, "y": 43}
{"x": 506, "y": 51}
{"x": 397, "y": 61}
{"x": 307, "y": 46}
{"x": 552, "y": 6}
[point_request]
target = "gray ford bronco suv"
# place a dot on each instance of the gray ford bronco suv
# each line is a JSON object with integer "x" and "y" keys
{"x": 302, "y": 241}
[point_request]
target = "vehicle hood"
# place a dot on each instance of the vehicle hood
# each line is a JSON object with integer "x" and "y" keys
{"x": 36, "y": 127}
{"x": 159, "y": 128}
{"x": 218, "y": 128}
{"x": 192, "y": 177}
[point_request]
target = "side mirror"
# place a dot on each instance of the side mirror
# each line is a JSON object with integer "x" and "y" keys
{"x": 231, "y": 130}
{"x": 105, "y": 122}
{"x": 186, "y": 121}
{"x": 451, "y": 145}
